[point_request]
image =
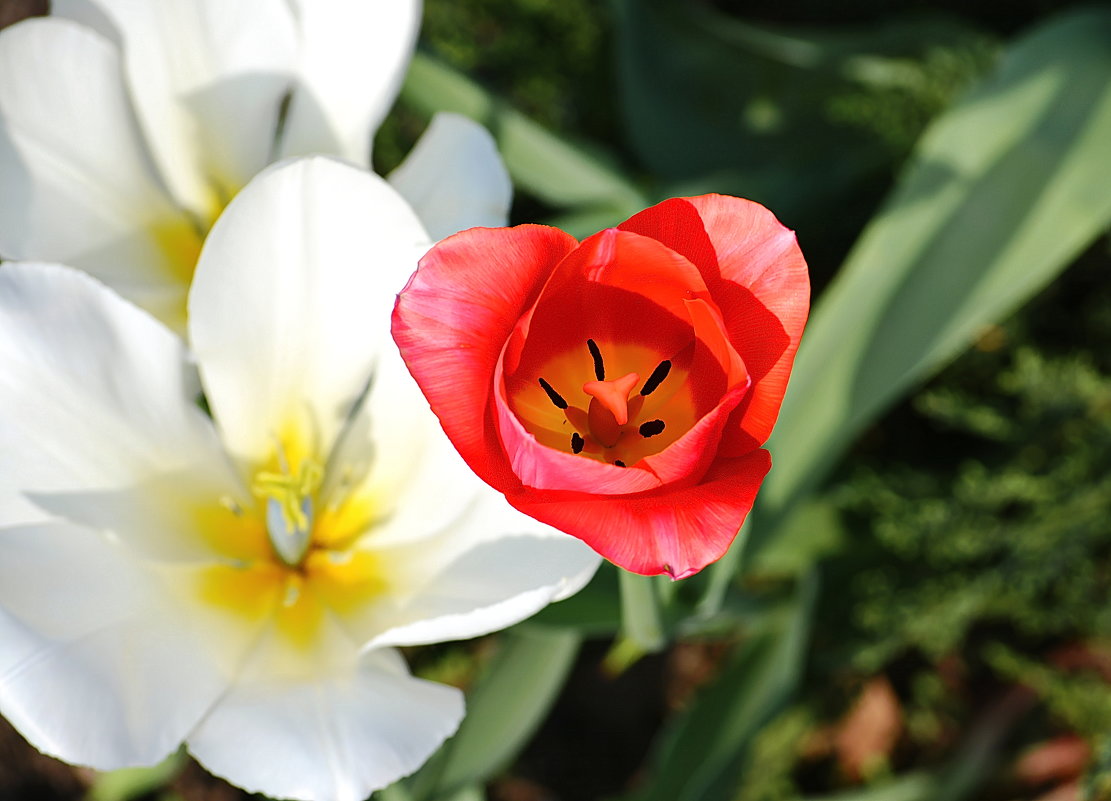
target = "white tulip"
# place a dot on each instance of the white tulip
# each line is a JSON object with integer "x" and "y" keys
{"x": 126, "y": 126}
{"x": 237, "y": 581}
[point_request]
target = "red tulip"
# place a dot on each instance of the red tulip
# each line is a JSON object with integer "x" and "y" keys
{"x": 620, "y": 388}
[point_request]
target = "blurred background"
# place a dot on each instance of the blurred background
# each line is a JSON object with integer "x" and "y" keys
{"x": 920, "y": 606}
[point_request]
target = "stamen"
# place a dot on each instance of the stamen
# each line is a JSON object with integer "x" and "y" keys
{"x": 619, "y": 463}
{"x": 553, "y": 396}
{"x": 657, "y": 377}
{"x": 290, "y": 491}
{"x": 651, "y": 428}
{"x": 577, "y": 443}
{"x": 596, "y": 355}
{"x": 289, "y": 507}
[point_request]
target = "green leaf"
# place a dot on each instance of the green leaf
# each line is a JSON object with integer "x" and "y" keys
{"x": 546, "y": 166}
{"x": 718, "y": 104}
{"x": 701, "y": 750}
{"x": 504, "y": 708}
{"x": 1004, "y": 190}
{"x": 593, "y": 611}
{"x": 131, "y": 783}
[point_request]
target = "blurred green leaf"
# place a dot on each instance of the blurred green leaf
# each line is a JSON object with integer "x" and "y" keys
{"x": 593, "y": 611}
{"x": 132, "y": 783}
{"x": 702, "y": 749}
{"x": 541, "y": 163}
{"x": 721, "y": 105}
{"x": 910, "y": 787}
{"x": 1005, "y": 189}
{"x": 504, "y": 708}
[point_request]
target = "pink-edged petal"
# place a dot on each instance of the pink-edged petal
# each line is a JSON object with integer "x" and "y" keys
{"x": 98, "y": 665}
{"x": 675, "y": 530}
{"x": 757, "y": 276}
{"x": 335, "y": 736}
{"x": 95, "y": 395}
{"x": 291, "y": 301}
{"x": 78, "y": 184}
{"x": 353, "y": 57}
{"x": 207, "y": 78}
{"x": 454, "y": 178}
{"x": 453, "y": 319}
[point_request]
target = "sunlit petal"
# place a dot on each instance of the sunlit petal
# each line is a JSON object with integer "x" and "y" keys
{"x": 291, "y": 300}
{"x": 95, "y": 395}
{"x": 331, "y": 737}
{"x": 354, "y": 54}
{"x": 454, "y": 178}
{"x": 207, "y": 78}
{"x": 97, "y": 664}
{"x": 78, "y": 184}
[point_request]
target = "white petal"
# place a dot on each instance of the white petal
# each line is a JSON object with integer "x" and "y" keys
{"x": 78, "y": 185}
{"x": 454, "y": 178}
{"x": 354, "y": 54}
{"x": 461, "y": 561}
{"x": 292, "y": 299}
{"x": 97, "y": 665}
{"x": 493, "y": 585}
{"x": 334, "y": 737}
{"x": 95, "y": 395}
{"x": 207, "y": 78}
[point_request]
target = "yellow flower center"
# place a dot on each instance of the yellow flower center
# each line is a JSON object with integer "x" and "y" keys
{"x": 293, "y": 554}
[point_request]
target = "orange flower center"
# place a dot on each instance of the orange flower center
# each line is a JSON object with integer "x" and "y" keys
{"x": 615, "y": 420}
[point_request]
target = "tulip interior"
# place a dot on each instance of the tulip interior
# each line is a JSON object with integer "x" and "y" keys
{"x": 623, "y": 354}
{"x": 291, "y": 548}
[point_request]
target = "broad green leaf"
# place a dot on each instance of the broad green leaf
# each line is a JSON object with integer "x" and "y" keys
{"x": 1003, "y": 192}
{"x": 540, "y": 162}
{"x": 504, "y": 708}
{"x": 702, "y": 749}
{"x": 718, "y": 104}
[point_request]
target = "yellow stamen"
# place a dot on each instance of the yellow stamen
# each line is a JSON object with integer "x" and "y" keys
{"x": 290, "y": 491}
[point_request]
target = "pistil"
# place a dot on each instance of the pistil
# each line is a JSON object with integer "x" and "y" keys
{"x": 289, "y": 508}
{"x": 609, "y": 407}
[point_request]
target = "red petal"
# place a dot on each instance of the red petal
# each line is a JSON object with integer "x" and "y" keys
{"x": 616, "y": 285}
{"x": 757, "y": 276}
{"x": 453, "y": 318}
{"x": 672, "y": 530}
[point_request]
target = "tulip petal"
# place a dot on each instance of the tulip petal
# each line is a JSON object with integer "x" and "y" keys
{"x": 454, "y": 178}
{"x": 453, "y": 319}
{"x": 492, "y": 585}
{"x": 354, "y": 55}
{"x": 677, "y": 531}
{"x": 290, "y": 301}
{"x": 95, "y": 395}
{"x": 758, "y": 278}
{"x": 97, "y": 665}
{"x": 207, "y": 78}
{"x": 332, "y": 737}
{"x": 78, "y": 184}
{"x": 460, "y": 560}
